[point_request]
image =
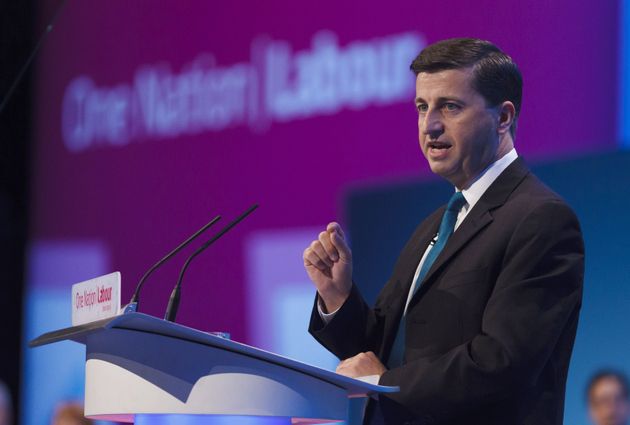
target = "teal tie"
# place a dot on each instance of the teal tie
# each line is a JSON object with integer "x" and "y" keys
{"x": 447, "y": 226}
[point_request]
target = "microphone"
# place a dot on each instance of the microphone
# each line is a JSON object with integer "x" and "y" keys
{"x": 30, "y": 58}
{"x": 135, "y": 299}
{"x": 173, "y": 302}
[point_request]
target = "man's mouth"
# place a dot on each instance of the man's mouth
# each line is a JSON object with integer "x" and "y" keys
{"x": 438, "y": 145}
{"x": 438, "y": 150}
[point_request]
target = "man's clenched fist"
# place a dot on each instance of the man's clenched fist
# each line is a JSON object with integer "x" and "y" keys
{"x": 328, "y": 262}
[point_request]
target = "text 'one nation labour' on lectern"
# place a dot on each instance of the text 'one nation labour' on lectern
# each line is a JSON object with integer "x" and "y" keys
{"x": 140, "y": 367}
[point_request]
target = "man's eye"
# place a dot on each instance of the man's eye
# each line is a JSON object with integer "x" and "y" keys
{"x": 451, "y": 106}
{"x": 422, "y": 107}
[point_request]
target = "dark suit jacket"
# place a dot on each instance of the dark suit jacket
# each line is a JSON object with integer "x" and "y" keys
{"x": 490, "y": 332}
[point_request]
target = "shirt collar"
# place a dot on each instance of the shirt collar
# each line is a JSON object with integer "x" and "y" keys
{"x": 476, "y": 190}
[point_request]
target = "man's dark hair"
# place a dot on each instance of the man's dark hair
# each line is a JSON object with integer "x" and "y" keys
{"x": 495, "y": 76}
{"x": 607, "y": 374}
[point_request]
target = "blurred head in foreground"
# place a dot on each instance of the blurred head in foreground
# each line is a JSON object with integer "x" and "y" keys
{"x": 70, "y": 413}
{"x": 607, "y": 398}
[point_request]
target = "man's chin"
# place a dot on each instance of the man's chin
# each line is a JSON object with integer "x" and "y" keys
{"x": 445, "y": 170}
{"x": 441, "y": 168}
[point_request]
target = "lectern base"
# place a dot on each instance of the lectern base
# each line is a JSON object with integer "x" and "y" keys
{"x": 210, "y": 420}
{"x": 128, "y": 370}
{"x": 154, "y": 372}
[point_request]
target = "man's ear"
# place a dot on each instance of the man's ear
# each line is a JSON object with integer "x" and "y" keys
{"x": 507, "y": 115}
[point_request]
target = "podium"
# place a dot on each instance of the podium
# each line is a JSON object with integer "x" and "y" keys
{"x": 139, "y": 367}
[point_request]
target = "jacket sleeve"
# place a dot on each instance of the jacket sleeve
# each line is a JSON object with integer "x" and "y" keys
{"x": 537, "y": 295}
{"x": 355, "y": 327}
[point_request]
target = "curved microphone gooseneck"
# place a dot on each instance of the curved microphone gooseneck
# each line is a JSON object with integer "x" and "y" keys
{"x": 173, "y": 302}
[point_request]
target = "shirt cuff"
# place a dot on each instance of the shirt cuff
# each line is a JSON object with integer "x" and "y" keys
{"x": 326, "y": 317}
{"x": 370, "y": 379}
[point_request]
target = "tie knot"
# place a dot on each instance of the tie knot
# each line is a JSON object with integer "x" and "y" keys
{"x": 456, "y": 202}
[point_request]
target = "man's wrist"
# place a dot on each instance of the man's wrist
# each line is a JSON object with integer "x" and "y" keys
{"x": 332, "y": 302}
{"x": 326, "y": 317}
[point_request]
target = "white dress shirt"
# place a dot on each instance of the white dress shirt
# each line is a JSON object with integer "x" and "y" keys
{"x": 472, "y": 194}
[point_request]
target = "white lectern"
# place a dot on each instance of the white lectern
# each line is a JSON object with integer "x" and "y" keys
{"x": 138, "y": 365}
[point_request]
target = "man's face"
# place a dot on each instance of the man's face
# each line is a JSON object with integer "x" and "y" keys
{"x": 458, "y": 132}
{"x": 608, "y": 404}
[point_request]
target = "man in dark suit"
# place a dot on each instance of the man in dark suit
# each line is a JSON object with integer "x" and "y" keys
{"x": 477, "y": 322}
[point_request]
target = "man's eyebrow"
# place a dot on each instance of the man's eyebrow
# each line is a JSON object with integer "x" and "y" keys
{"x": 441, "y": 99}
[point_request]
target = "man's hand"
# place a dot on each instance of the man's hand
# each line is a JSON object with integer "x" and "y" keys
{"x": 363, "y": 364}
{"x": 328, "y": 262}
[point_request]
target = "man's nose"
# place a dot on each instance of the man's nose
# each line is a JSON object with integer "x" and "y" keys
{"x": 432, "y": 126}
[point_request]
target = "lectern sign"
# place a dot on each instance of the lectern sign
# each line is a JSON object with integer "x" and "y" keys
{"x": 96, "y": 299}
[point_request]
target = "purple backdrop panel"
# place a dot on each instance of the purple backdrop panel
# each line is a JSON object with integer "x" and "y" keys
{"x": 153, "y": 116}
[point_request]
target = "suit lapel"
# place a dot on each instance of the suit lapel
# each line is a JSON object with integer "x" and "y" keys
{"x": 478, "y": 218}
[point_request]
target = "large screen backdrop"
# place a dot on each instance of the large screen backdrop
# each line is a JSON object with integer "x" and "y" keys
{"x": 152, "y": 117}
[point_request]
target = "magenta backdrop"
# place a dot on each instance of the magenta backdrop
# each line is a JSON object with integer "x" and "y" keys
{"x": 144, "y": 197}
